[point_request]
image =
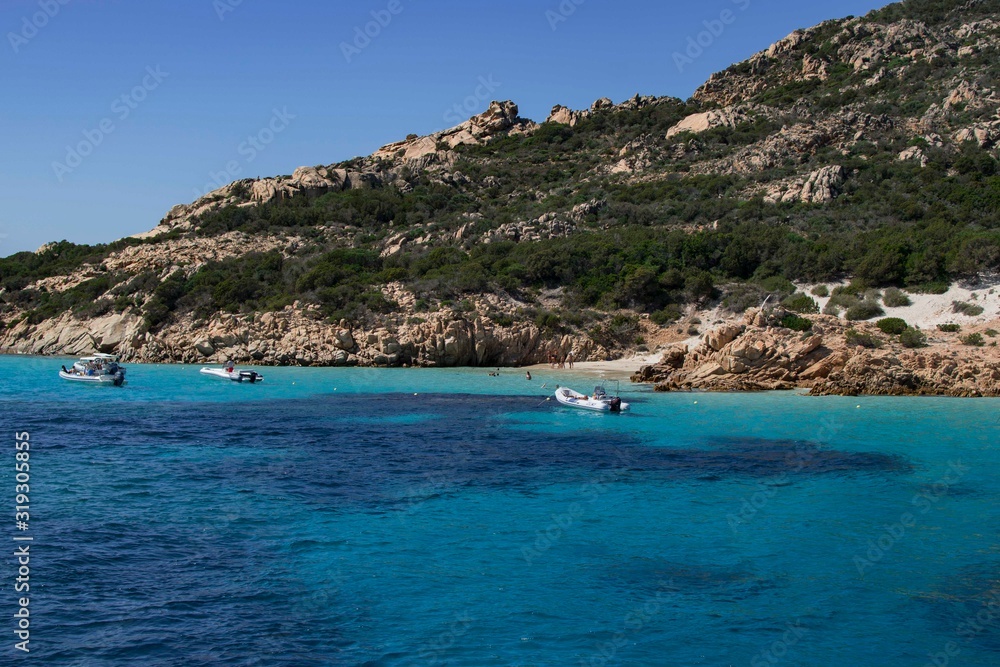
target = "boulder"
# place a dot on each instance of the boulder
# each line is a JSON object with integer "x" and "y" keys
{"x": 722, "y": 336}
{"x": 708, "y": 370}
{"x": 205, "y": 348}
{"x": 702, "y": 122}
{"x": 344, "y": 340}
{"x": 563, "y": 116}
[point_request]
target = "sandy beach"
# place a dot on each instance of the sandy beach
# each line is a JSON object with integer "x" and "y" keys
{"x": 926, "y": 312}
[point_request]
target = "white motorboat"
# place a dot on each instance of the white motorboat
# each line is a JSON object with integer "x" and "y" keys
{"x": 232, "y": 374}
{"x": 100, "y": 369}
{"x": 599, "y": 401}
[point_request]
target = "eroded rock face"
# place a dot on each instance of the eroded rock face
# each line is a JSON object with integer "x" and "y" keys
{"x": 820, "y": 186}
{"x": 500, "y": 117}
{"x": 730, "y": 116}
{"x": 758, "y": 355}
{"x": 799, "y": 142}
{"x": 299, "y": 336}
{"x": 986, "y": 135}
{"x": 914, "y": 153}
{"x": 564, "y": 116}
{"x": 548, "y": 226}
{"x": 636, "y": 156}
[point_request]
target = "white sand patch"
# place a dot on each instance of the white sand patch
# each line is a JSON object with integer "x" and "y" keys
{"x": 929, "y": 310}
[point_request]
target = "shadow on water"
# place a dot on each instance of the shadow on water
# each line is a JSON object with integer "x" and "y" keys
{"x": 966, "y": 606}
{"x": 640, "y": 576}
{"x": 384, "y": 449}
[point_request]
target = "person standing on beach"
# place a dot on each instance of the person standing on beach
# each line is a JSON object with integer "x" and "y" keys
{"x": 569, "y": 359}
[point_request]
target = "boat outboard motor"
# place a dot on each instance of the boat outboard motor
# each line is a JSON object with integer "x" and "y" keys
{"x": 249, "y": 376}
{"x": 119, "y": 378}
{"x": 616, "y": 404}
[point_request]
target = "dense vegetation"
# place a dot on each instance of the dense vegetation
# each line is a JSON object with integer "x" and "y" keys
{"x": 650, "y": 244}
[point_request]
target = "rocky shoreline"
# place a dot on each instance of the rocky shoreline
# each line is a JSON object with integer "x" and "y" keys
{"x": 752, "y": 352}
{"x": 299, "y": 336}
{"x": 757, "y": 354}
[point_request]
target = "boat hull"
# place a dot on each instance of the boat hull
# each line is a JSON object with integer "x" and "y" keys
{"x": 99, "y": 380}
{"x": 250, "y": 377}
{"x": 573, "y": 399}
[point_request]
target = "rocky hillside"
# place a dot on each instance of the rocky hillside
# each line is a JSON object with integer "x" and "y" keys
{"x": 765, "y": 351}
{"x": 862, "y": 149}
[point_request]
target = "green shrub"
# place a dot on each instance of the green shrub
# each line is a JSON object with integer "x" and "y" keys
{"x": 667, "y": 315}
{"x": 864, "y": 310}
{"x": 832, "y": 309}
{"x": 872, "y": 295}
{"x": 992, "y": 333}
{"x": 843, "y": 299}
{"x": 913, "y": 338}
{"x": 855, "y": 288}
{"x": 122, "y": 303}
{"x": 821, "y": 290}
{"x": 930, "y": 288}
{"x": 777, "y": 284}
{"x": 548, "y": 321}
{"x": 973, "y": 339}
{"x": 800, "y": 303}
{"x": 892, "y": 325}
{"x": 739, "y": 297}
{"x": 949, "y": 328}
{"x": 964, "y": 308}
{"x": 896, "y": 298}
{"x": 796, "y": 323}
{"x": 857, "y": 338}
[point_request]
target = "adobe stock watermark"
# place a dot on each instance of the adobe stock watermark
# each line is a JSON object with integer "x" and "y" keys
{"x": 634, "y": 622}
{"x": 473, "y": 103}
{"x": 23, "y": 538}
{"x": 592, "y": 491}
{"x": 433, "y": 652}
{"x": 437, "y": 482}
{"x": 364, "y": 35}
{"x": 122, "y": 107}
{"x": 797, "y": 459}
{"x": 970, "y": 627}
{"x": 31, "y": 25}
{"x": 779, "y": 648}
{"x": 714, "y": 29}
{"x": 562, "y": 13}
{"x": 248, "y": 151}
{"x": 880, "y": 546}
{"x": 223, "y": 7}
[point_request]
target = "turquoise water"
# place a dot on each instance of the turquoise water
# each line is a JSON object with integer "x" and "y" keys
{"x": 437, "y": 517}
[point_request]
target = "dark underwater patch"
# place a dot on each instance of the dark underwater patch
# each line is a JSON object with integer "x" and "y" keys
{"x": 640, "y": 576}
{"x": 966, "y": 606}
{"x": 318, "y": 450}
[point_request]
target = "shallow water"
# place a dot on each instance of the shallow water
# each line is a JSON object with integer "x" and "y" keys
{"x": 407, "y": 517}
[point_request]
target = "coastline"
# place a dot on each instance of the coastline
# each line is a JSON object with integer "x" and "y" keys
{"x": 707, "y": 350}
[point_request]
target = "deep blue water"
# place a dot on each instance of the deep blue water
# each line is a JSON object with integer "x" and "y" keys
{"x": 431, "y": 517}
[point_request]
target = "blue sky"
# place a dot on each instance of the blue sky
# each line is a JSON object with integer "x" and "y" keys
{"x": 114, "y": 110}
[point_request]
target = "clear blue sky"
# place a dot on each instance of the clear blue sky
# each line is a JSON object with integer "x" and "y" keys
{"x": 201, "y": 76}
